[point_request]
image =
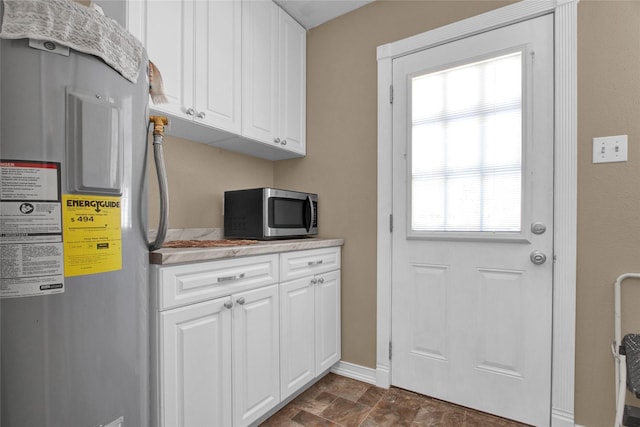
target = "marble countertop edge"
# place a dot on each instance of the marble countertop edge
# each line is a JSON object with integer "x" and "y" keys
{"x": 185, "y": 255}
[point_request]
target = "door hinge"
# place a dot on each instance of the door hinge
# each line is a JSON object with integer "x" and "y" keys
{"x": 390, "y": 223}
{"x": 390, "y": 94}
{"x": 389, "y": 350}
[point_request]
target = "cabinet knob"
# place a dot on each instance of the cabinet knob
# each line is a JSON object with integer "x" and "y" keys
{"x": 284, "y": 142}
{"x": 277, "y": 140}
{"x": 201, "y": 115}
{"x": 240, "y": 301}
{"x": 190, "y": 112}
{"x": 321, "y": 280}
{"x": 228, "y": 304}
{"x": 314, "y": 281}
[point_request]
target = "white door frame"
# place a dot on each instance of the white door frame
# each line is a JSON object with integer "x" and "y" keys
{"x": 565, "y": 183}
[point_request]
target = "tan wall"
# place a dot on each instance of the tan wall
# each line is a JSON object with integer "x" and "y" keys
{"x": 608, "y": 195}
{"x": 197, "y": 176}
{"x": 341, "y": 167}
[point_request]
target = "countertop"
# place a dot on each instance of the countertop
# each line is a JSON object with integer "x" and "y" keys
{"x": 181, "y": 255}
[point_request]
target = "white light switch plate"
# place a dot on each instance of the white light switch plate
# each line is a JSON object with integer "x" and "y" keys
{"x": 610, "y": 149}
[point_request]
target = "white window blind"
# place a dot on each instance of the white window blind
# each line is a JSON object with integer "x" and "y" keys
{"x": 466, "y": 147}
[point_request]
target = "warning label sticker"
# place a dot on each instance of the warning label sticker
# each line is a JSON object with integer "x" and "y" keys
{"x": 92, "y": 234}
{"x": 31, "y": 269}
{"x": 28, "y": 217}
{"x": 29, "y": 180}
{"x": 31, "y": 246}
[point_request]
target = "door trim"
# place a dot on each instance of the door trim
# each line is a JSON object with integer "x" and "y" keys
{"x": 565, "y": 183}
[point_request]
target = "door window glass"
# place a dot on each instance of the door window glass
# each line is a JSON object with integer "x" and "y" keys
{"x": 466, "y": 147}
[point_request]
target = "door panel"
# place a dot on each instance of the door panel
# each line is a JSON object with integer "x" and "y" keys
{"x": 327, "y": 310}
{"x": 171, "y": 51}
{"x": 297, "y": 337}
{"x": 196, "y": 365}
{"x": 256, "y": 372}
{"x": 472, "y": 161}
{"x": 217, "y": 64}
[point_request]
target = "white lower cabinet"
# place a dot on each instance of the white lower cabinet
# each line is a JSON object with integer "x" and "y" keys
{"x": 231, "y": 342}
{"x": 256, "y": 350}
{"x": 195, "y": 365}
{"x": 327, "y": 310}
{"x": 309, "y": 316}
{"x": 297, "y": 355}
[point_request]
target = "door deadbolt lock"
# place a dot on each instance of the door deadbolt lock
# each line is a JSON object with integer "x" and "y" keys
{"x": 538, "y": 228}
{"x": 538, "y": 257}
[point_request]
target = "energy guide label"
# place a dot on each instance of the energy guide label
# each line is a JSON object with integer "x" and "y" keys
{"x": 92, "y": 234}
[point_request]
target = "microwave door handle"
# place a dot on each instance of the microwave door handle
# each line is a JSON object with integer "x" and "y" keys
{"x": 311, "y": 215}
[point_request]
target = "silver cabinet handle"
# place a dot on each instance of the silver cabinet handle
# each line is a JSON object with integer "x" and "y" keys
{"x": 538, "y": 257}
{"x": 240, "y": 301}
{"x": 321, "y": 280}
{"x": 230, "y": 278}
{"x": 201, "y": 115}
{"x": 314, "y": 281}
{"x": 228, "y": 304}
{"x": 190, "y": 112}
{"x": 277, "y": 140}
{"x": 312, "y": 263}
{"x": 284, "y": 142}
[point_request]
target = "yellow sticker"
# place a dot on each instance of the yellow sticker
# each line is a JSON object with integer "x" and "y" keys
{"x": 92, "y": 234}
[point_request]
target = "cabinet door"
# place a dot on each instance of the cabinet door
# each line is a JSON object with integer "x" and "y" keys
{"x": 259, "y": 70}
{"x": 256, "y": 353}
{"x": 218, "y": 67}
{"x": 292, "y": 87}
{"x": 165, "y": 28}
{"x": 297, "y": 332}
{"x": 195, "y": 365}
{"x": 327, "y": 320}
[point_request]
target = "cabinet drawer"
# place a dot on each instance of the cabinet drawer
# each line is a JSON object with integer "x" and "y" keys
{"x": 294, "y": 265}
{"x": 188, "y": 284}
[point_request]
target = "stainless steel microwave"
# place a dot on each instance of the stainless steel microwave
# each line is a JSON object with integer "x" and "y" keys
{"x": 269, "y": 213}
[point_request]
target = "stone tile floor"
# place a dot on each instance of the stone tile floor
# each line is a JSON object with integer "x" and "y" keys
{"x": 337, "y": 401}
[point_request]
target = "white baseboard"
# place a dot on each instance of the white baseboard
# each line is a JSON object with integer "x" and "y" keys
{"x": 356, "y": 372}
{"x": 562, "y": 418}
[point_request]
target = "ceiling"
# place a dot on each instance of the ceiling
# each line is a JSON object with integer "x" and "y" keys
{"x": 311, "y": 13}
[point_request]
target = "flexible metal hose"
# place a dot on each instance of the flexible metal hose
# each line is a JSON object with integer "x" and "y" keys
{"x": 158, "y": 156}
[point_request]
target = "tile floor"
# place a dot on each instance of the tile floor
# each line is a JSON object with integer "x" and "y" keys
{"x": 339, "y": 401}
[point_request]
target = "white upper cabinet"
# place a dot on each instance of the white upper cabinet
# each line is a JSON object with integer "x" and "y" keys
{"x": 217, "y": 44}
{"x": 293, "y": 83}
{"x": 273, "y": 76}
{"x": 234, "y": 72}
{"x": 196, "y": 46}
{"x": 167, "y": 32}
{"x": 260, "y": 69}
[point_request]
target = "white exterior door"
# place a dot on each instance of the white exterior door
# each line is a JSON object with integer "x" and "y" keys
{"x": 473, "y": 221}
